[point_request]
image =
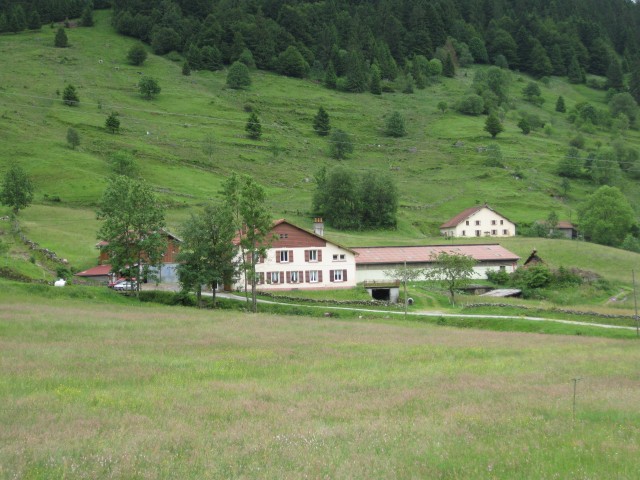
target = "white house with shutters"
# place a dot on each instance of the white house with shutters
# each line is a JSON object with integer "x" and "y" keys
{"x": 478, "y": 221}
{"x": 303, "y": 260}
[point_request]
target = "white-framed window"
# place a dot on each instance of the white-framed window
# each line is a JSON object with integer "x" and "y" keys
{"x": 337, "y": 276}
{"x": 275, "y": 277}
{"x": 477, "y": 222}
{"x": 338, "y": 257}
{"x": 284, "y": 256}
{"x": 313, "y": 255}
{"x": 294, "y": 277}
{"x": 467, "y": 222}
{"x": 501, "y": 222}
{"x": 494, "y": 232}
{"x": 284, "y": 235}
{"x": 505, "y": 232}
{"x": 313, "y": 276}
{"x": 493, "y": 222}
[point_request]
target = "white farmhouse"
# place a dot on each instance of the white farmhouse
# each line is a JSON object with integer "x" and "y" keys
{"x": 478, "y": 221}
{"x": 299, "y": 259}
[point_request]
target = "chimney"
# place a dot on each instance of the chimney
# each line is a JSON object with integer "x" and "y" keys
{"x": 318, "y": 226}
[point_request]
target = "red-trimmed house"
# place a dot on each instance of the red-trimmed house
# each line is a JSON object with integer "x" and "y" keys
{"x": 304, "y": 260}
{"x": 478, "y": 221}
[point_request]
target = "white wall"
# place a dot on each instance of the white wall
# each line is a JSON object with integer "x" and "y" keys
{"x": 483, "y": 220}
{"x": 376, "y": 272}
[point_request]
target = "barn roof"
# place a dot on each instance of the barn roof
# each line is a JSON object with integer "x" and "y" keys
{"x": 99, "y": 271}
{"x": 455, "y": 221}
{"x": 424, "y": 254}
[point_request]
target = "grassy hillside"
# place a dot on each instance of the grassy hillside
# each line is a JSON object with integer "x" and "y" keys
{"x": 132, "y": 391}
{"x": 167, "y": 135}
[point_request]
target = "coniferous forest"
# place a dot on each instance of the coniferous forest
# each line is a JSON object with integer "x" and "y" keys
{"x": 296, "y": 37}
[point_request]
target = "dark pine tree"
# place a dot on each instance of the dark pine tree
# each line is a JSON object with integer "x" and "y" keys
{"x": 560, "y": 106}
{"x": 321, "y": 122}
{"x": 330, "y": 77}
{"x": 448, "y": 69}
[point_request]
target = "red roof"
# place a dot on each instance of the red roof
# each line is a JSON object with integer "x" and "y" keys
{"x": 425, "y": 254}
{"x": 564, "y": 224}
{"x": 99, "y": 271}
{"x": 455, "y": 221}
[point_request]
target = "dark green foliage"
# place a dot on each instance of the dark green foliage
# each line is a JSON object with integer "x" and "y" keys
{"x": 560, "y": 105}
{"x": 533, "y": 94}
{"x": 493, "y": 125}
{"x": 442, "y": 106}
{"x": 340, "y": 144}
{"x": 330, "y": 77}
{"x": 570, "y": 165}
{"x": 73, "y": 138}
{"x": 498, "y": 277}
{"x": 347, "y": 200}
{"x": 61, "y": 40}
{"x": 606, "y": 216}
{"x": 624, "y": 103}
{"x": 34, "y": 22}
{"x": 292, "y": 63}
{"x": 615, "y": 77}
{"x": 321, "y": 122}
{"x": 523, "y": 125}
{"x": 137, "y": 54}
{"x": 395, "y": 126}
{"x": 246, "y": 57}
{"x": 16, "y": 20}
{"x": 194, "y": 57}
{"x": 112, "y": 123}
{"x": 17, "y": 189}
{"x": 186, "y": 69}
{"x": 578, "y": 141}
{"x": 539, "y": 63}
{"x": 70, "y": 96}
{"x": 148, "y": 87}
{"x": 407, "y": 84}
{"x": 210, "y": 58}
{"x": 478, "y": 50}
{"x": 448, "y": 68}
{"x": 634, "y": 81}
{"x": 164, "y": 40}
{"x": 87, "y": 15}
{"x": 357, "y": 75}
{"x": 631, "y": 243}
{"x": 471, "y": 105}
{"x": 238, "y": 76}
{"x": 501, "y": 62}
{"x": 375, "y": 86}
{"x": 253, "y": 127}
{"x": 575, "y": 73}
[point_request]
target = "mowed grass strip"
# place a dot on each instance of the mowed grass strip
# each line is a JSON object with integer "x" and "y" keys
{"x": 137, "y": 391}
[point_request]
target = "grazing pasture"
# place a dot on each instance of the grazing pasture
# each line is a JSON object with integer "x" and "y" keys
{"x": 117, "y": 389}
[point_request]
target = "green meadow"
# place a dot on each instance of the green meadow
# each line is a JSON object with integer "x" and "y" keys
{"x": 116, "y": 389}
{"x": 188, "y": 139}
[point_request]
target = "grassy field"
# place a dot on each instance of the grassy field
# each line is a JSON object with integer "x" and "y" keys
{"x": 114, "y": 389}
{"x": 167, "y": 136}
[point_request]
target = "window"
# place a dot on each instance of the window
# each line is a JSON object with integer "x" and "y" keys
{"x": 284, "y": 235}
{"x": 505, "y": 232}
{"x": 501, "y": 222}
{"x": 313, "y": 276}
{"x": 477, "y": 222}
{"x": 494, "y": 232}
{"x": 313, "y": 255}
{"x": 502, "y": 268}
{"x": 275, "y": 277}
{"x": 337, "y": 276}
{"x": 493, "y": 222}
{"x": 467, "y": 222}
{"x": 464, "y": 233}
{"x": 284, "y": 256}
{"x": 478, "y": 233}
{"x": 294, "y": 277}
{"x": 337, "y": 257}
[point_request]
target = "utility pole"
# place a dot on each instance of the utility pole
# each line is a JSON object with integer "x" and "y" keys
{"x": 635, "y": 302}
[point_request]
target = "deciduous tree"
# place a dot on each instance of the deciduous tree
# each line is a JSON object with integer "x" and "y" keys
{"x": 238, "y": 76}
{"x": 606, "y": 216}
{"x": 137, "y": 54}
{"x": 149, "y": 87}
{"x": 17, "y": 189}
{"x": 112, "y": 123}
{"x": 340, "y": 144}
{"x": 73, "y": 138}
{"x": 207, "y": 253}
{"x": 493, "y": 125}
{"x": 452, "y": 269}
{"x": 132, "y": 226}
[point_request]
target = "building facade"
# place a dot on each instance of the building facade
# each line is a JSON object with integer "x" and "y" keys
{"x": 478, "y": 221}
{"x": 299, "y": 259}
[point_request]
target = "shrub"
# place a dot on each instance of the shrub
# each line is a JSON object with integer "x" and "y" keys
{"x": 471, "y": 105}
{"x": 137, "y": 54}
{"x": 238, "y": 76}
{"x": 499, "y": 277}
